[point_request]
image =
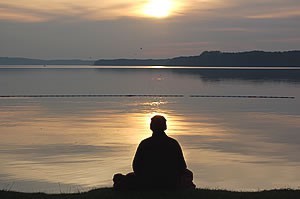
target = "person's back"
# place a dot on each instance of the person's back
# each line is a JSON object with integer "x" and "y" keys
{"x": 159, "y": 162}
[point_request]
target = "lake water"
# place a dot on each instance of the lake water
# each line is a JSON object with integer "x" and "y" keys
{"x": 71, "y": 144}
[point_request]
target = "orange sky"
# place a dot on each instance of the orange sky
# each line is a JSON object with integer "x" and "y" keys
{"x": 164, "y": 28}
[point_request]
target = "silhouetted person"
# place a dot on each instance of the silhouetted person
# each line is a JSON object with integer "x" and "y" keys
{"x": 158, "y": 163}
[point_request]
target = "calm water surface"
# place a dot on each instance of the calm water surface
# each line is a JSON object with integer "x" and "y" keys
{"x": 71, "y": 144}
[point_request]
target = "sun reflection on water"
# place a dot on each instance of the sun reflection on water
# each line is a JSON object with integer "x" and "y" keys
{"x": 85, "y": 145}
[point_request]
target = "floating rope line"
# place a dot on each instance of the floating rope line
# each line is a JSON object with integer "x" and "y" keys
{"x": 244, "y": 96}
{"x": 61, "y": 96}
{"x": 128, "y": 95}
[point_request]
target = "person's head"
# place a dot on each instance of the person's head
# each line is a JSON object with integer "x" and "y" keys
{"x": 158, "y": 123}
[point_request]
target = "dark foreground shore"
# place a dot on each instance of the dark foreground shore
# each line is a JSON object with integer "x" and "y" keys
{"x": 192, "y": 194}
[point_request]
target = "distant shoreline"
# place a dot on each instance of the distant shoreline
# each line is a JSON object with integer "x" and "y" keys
{"x": 27, "y": 61}
{"x": 205, "y": 59}
{"x": 216, "y": 59}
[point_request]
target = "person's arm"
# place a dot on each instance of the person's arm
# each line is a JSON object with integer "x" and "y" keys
{"x": 181, "y": 162}
{"x": 138, "y": 159}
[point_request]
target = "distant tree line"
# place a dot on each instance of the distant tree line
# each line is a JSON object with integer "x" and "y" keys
{"x": 207, "y": 58}
{"x": 216, "y": 58}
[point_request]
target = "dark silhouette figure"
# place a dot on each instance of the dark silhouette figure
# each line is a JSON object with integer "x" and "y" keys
{"x": 158, "y": 163}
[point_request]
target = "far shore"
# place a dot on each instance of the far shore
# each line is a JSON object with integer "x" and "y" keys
{"x": 205, "y": 59}
{"x": 187, "y": 194}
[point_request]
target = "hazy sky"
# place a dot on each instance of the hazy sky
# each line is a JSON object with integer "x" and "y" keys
{"x": 93, "y": 29}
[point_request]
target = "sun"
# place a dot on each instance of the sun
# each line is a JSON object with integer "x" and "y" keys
{"x": 158, "y": 8}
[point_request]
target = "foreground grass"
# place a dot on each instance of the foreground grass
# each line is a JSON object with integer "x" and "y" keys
{"x": 192, "y": 194}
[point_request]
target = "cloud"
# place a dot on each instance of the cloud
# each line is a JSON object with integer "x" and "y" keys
{"x": 39, "y": 11}
{"x": 7, "y": 14}
{"x": 36, "y": 11}
{"x": 256, "y": 9}
{"x": 277, "y": 14}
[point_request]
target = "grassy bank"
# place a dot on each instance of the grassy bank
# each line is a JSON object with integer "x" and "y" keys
{"x": 198, "y": 193}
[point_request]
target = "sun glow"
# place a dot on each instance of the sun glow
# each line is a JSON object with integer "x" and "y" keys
{"x": 158, "y": 8}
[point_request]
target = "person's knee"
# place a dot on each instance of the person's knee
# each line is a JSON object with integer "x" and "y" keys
{"x": 125, "y": 182}
{"x": 118, "y": 177}
{"x": 188, "y": 174}
{"x": 186, "y": 180}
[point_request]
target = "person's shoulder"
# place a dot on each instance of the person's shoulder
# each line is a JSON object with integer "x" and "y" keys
{"x": 146, "y": 140}
{"x": 173, "y": 140}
